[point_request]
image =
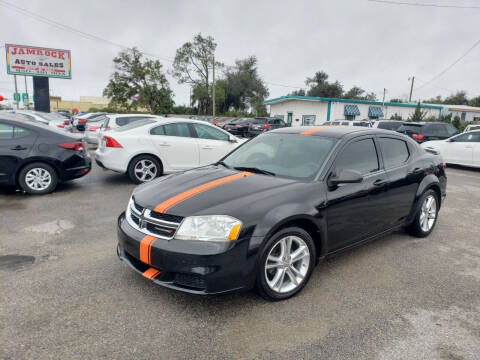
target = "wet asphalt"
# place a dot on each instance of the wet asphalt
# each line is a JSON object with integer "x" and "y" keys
{"x": 65, "y": 295}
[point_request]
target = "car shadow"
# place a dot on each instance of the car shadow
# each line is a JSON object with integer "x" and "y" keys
{"x": 460, "y": 167}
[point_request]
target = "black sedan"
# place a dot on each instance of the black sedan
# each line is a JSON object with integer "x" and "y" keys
{"x": 260, "y": 125}
{"x": 276, "y": 206}
{"x": 36, "y": 156}
{"x": 238, "y": 126}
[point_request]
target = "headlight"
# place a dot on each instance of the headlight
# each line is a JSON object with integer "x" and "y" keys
{"x": 209, "y": 228}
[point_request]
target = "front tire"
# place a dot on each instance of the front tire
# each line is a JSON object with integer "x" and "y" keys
{"x": 38, "y": 178}
{"x": 144, "y": 168}
{"x": 426, "y": 216}
{"x": 285, "y": 264}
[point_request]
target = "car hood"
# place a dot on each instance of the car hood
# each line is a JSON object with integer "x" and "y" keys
{"x": 211, "y": 190}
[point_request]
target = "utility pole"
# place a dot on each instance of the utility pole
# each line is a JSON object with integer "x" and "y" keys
{"x": 213, "y": 89}
{"x": 383, "y": 101}
{"x": 16, "y": 90}
{"x": 411, "y": 88}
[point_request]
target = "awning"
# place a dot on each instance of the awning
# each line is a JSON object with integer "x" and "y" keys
{"x": 351, "y": 110}
{"x": 375, "y": 112}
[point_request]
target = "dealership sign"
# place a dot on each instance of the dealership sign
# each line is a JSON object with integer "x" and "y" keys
{"x": 35, "y": 61}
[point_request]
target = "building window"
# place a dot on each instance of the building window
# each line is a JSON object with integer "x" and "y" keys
{"x": 308, "y": 120}
{"x": 462, "y": 117}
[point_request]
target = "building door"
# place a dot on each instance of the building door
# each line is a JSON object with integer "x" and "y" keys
{"x": 289, "y": 118}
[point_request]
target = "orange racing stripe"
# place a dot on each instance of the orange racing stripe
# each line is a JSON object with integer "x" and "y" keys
{"x": 167, "y": 204}
{"x": 314, "y": 130}
{"x": 151, "y": 273}
{"x": 146, "y": 248}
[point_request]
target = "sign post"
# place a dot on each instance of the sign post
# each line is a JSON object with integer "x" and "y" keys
{"x": 41, "y": 63}
{"x": 17, "y": 97}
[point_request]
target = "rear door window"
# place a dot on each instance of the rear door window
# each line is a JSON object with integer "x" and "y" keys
{"x": 360, "y": 156}
{"x": 395, "y": 152}
{"x": 6, "y": 131}
{"x": 20, "y": 132}
{"x": 124, "y": 120}
{"x": 174, "y": 129}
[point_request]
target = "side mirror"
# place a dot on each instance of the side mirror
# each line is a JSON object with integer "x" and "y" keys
{"x": 345, "y": 177}
{"x": 232, "y": 139}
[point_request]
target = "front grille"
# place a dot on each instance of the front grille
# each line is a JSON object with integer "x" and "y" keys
{"x": 166, "y": 217}
{"x": 151, "y": 223}
{"x": 189, "y": 281}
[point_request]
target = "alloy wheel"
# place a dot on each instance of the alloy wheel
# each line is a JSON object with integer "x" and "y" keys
{"x": 145, "y": 170}
{"x": 428, "y": 213}
{"x": 287, "y": 264}
{"x": 38, "y": 179}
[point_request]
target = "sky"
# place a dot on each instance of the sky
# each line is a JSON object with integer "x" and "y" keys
{"x": 363, "y": 43}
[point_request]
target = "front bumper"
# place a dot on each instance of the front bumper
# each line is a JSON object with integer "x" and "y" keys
{"x": 197, "y": 267}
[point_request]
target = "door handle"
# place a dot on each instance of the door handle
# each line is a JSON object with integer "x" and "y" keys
{"x": 379, "y": 182}
{"x": 207, "y": 147}
{"x": 164, "y": 144}
{"x": 468, "y": 147}
{"x": 19, "y": 147}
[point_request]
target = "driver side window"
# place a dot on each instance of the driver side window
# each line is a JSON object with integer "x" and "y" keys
{"x": 360, "y": 156}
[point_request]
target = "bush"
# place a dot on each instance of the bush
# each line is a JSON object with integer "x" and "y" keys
{"x": 396, "y": 117}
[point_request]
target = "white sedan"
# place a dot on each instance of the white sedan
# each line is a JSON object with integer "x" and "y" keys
{"x": 148, "y": 148}
{"x": 462, "y": 149}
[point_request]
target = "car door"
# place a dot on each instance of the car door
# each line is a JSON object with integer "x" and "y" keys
{"x": 15, "y": 145}
{"x": 404, "y": 174}
{"x": 213, "y": 143}
{"x": 459, "y": 149}
{"x": 176, "y": 146}
{"x": 355, "y": 211}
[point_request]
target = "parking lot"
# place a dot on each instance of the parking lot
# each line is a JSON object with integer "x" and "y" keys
{"x": 67, "y": 296}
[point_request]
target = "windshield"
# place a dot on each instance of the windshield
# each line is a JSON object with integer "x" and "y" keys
{"x": 134, "y": 125}
{"x": 288, "y": 155}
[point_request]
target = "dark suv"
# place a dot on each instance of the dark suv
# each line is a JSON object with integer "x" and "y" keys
{"x": 425, "y": 131}
{"x": 262, "y": 124}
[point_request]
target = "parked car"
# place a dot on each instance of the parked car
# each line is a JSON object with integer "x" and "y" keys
{"x": 262, "y": 124}
{"x": 96, "y": 130}
{"x": 80, "y": 121}
{"x": 462, "y": 149}
{"x": 264, "y": 215}
{"x": 37, "y": 157}
{"x": 393, "y": 125}
{"x": 50, "y": 119}
{"x": 238, "y": 126}
{"x": 425, "y": 131}
{"x": 148, "y": 148}
{"x": 472, "y": 127}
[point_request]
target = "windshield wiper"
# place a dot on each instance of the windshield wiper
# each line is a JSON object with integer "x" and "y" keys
{"x": 254, "y": 170}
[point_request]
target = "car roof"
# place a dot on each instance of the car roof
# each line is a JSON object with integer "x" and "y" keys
{"x": 332, "y": 131}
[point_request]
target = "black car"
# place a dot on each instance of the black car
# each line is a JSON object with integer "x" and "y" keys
{"x": 36, "y": 157}
{"x": 260, "y": 125}
{"x": 238, "y": 126}
{"x": 269, "y": 211}
{"x": 426, "y": 131}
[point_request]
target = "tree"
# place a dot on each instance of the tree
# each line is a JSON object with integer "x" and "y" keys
{"x": 396, "y": 117}
{"x": 436, "y": 100}
{"x": 396, "y": 100}
{"x": 193, "y": 65}
{"x": 418, "y": 115}
{"x": 299, "y": 92}
{"x": 319, "y": 86}
{"x": 457, "y": 123}
{"x": 474, "y": 101}
{"x": 459, "y": 98}
{"x": 137, "y": 82}
{"x": 244, "y": 89}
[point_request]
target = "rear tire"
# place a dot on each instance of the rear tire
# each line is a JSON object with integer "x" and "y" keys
{"x": 38, "y": 179}
{"x": 144, "y": 168}
{"x": 279, "y": 275}
{"x": 426, "y": 216}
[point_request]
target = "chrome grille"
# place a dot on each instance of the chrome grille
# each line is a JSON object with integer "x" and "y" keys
{"x": 141, "y": 219}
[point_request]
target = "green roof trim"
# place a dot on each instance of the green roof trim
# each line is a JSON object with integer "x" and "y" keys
{"x": 352, "y": 101}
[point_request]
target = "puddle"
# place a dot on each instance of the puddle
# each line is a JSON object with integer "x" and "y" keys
{"x": 15, "y": 262}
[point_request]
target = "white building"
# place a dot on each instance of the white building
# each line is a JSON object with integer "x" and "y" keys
{"x": 307, "y": 110}
{"x": 464, "y": 112}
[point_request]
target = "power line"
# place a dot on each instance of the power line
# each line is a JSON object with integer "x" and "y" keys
{"x": 424, "y": 5}
{"x": 451, "y": 65}
{"x": 71, "y": 29}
